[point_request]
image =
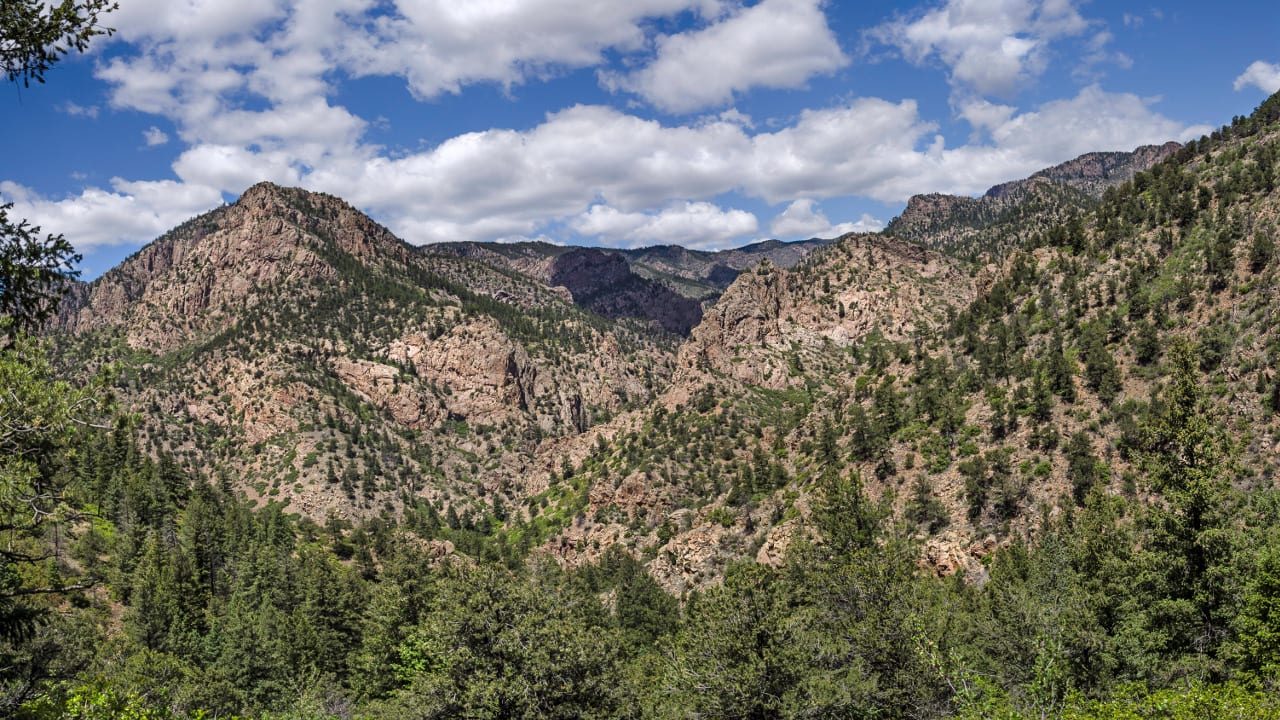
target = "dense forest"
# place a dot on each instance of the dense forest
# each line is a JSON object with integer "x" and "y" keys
{"x": 133, "y": 590}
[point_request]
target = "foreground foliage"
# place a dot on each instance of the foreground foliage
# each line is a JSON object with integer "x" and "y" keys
{"x": 1117, "y": 610}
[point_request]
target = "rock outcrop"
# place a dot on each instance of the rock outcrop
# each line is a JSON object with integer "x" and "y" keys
{"x": 203, "y": 276}
{"x": 299, "y": 347}
{"x": 771, "y": 318}
{"x": 1013, "y": 211}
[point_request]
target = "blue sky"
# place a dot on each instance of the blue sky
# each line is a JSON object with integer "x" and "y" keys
{"x": 707, "y": 123}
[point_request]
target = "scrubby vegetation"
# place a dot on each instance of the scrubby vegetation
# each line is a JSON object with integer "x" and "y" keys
{"x": 1061, "y": 504}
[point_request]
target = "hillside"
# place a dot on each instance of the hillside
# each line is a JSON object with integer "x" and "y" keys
{"x": 981, "y": 401}
{"x": 347, "y": 478}
{"x": 698, "y": 274}
{"x": 596, "y": 280}
{"x": 1010, "y": 213}
{"x": 292, "y": 344}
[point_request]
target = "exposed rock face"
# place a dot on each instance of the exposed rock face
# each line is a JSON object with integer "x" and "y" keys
{"x": 768, "y": 315}
{"x": 198, "y": 279}
{"x": 744, "y": 322}
{"x": 295, "y": 345}
{"x": 603, "y": 282}
{"x": 1093, "y": 173}
{"x": 490, "y": 378}
{"x": 379, "y": 385}
{"x": 301, "y": 349}
{"x": 1014, "y": 210}
{"x": 587, "y": 273}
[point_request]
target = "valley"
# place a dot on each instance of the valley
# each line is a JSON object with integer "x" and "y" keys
{"x": 1014, "y": 456}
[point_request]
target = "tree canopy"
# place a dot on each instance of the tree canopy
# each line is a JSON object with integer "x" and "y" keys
{"x": 34, "y": 272}
{"x": 34, "y": 36}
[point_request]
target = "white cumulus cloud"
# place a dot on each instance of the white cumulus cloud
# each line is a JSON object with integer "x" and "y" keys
{"x": 699, "y": 225}
{"x": 653, "y": 181}
{"x": 775, "y": 44}
{"x": 803, "y": 219}
{"x": 128, "y": 213}
{"x": 246, "y": 87}
{"x": 991, "y": 47}
{"x": 1262, "y": 75}
{"x": 441, "y": 45}
{"x": 155, "y": 136}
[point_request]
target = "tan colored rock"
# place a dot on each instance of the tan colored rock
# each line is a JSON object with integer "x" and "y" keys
{"x": 486, "y": 376}
{"x": 380, "y": 385}
{"x": 769, "y": 317}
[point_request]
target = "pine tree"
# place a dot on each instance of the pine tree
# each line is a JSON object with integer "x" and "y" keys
{"x": 1193, "y": 544}
{"x": 1059, "y": 373}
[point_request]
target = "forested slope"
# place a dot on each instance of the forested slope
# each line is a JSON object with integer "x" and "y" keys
{"x": 885, "y": 483}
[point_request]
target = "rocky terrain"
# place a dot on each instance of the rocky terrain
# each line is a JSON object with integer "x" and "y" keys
{"x": 697, "y": 274}
{"x": 1094, "y": 173}
{"x": 1015, "y": 458}
{"x": 598, "y": 281}
{"x": 981, "y": 365}
{"x": 295, "y": 345}
{"x": 1011, "y": 212}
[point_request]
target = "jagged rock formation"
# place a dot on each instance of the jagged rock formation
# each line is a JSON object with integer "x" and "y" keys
{"x": 864, "y": 284}
{"x": 1000, "y": 395}
{"x": 195, "y": 280}
{"x": 1011, "y": 212}
{"x": 1094, "y": 173}
{"x": 296, "y": 346}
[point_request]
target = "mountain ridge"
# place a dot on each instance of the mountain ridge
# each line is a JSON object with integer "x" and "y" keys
{"x": 880, "y": 355}
{"x": 1037, "y": 475}
{"x": 1009, "y": 212}
{"x": 298, "y": 344}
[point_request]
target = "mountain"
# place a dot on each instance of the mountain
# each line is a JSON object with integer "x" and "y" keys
{"x": 357, "y": 479}
{"x": 1094, "y": 173}
{"x": 1009, "y": 213}
{"x": 704, "y": 273}
{"x": 290, "y": 343}
{"x": 698, "y": 274}
{"x": 596, "y": 280}
{"x": 295, "y": 348}
{"x": 973, "y": 399}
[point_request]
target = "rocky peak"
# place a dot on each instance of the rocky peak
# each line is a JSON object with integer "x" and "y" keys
{"x": 197, "y": 277}
{"x": 1093, "y": 173}
{"x": 923, "y": 211}
{"x": 263, "y": 195}
{"x": 969, "y": 226}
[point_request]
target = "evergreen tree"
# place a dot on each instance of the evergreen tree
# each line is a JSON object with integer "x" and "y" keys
{"x": 1058, "y": 371}
{"x": 1191, "y": 577}
{"x": 1261, "y": 251}
{"x": 1100, "y": 368}
{"x": 1082, "y": 466}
